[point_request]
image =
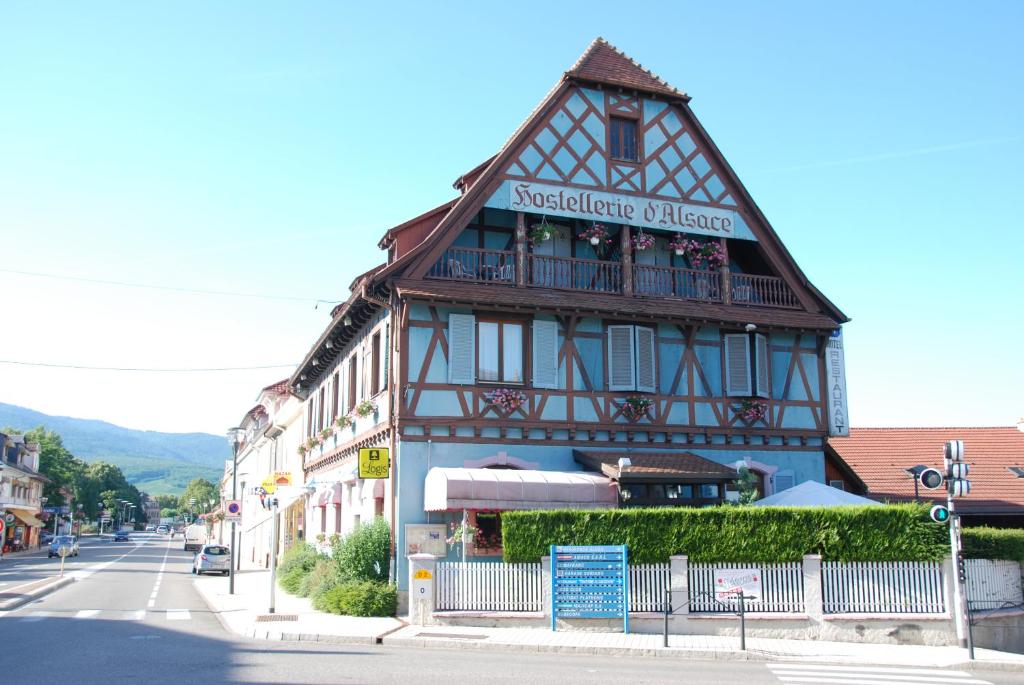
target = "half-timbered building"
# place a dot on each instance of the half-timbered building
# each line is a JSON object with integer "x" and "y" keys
{"x": 602, "y": 317}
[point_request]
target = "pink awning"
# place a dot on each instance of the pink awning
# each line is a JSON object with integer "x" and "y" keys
{"x": 330, "y": 495}
{"x": 452, "y": 489}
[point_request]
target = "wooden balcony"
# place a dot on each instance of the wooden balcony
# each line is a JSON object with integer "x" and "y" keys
{"x": 599, "y": 276}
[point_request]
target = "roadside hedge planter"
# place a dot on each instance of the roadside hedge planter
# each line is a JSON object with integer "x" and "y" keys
{"x": 365, "y": 553}
{"x": 362, "y": 598}
{"x": 734, "y": 534}
{"x": 297, "y": 563}
{"x": 984, "y": 542}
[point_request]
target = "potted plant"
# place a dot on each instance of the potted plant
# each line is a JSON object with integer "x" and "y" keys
{"x": 365, "y": 408}
{"x": 505, "y": 399}
{"x": 541, "y": 232}
{"x": 324, "y": 434}
{"x": 643, "y": 241}
{"x": 457, "y": 530}
{"x": 751, "y": 410}
{"x": 596, "y": 235}
{"x": 678, "y": 245}
{"x": 343, "y": 422}
{"x": 636, "y": 407}
{"x": 302, "y": 450}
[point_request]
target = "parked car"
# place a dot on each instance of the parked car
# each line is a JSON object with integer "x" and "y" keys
{"x": 121, "y": 536}
{"x": 150, "y": 529}
{"x": 195, "y": 537}
{"x": 69, "y": 541}
{"x": 212, "y": 559}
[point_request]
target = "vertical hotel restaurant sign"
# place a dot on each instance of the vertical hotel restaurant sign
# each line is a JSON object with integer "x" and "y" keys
{"x": 374, "y": 462}
{"x": 616, "y": 208}
{"x": 835, "y": 375}
{"x": 590, "y": 581}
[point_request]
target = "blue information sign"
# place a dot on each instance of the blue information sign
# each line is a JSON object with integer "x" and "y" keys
{"x": 590, "y": 581}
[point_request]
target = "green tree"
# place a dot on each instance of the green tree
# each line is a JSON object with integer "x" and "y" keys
{"x": 167, "y": 501}
{"x": 197, "y": 496}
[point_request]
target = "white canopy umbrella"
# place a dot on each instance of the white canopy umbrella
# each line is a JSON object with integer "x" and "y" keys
{"x": 814, "y": 494}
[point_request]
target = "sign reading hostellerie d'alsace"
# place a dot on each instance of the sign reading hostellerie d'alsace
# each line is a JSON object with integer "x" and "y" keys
{"x": 616, "y": 208}
{"x": 590, "y": 581}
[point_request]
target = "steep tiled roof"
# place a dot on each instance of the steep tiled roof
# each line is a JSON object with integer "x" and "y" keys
{"x": 279, "y": 388}
{"x": 880, "y": 455}
{"x": 654, "y": 465}
{"x": 604, "y": 63}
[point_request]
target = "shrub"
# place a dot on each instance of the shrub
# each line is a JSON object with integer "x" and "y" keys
{"x": 291, "y": 580}
{"x": 323, "y": 573}
{"x": 300, "y": 556}
{"x": 994, "y": 543}
{"x": 362, "y": 598}
{"x": 734, "y": 534}
{"x": 364, "y": 554}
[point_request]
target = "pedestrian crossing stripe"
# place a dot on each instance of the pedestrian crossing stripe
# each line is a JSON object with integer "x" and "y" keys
{"x": 869, "y": 675}
{"x": 106, "y": 615}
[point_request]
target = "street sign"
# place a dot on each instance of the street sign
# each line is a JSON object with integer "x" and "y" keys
{"x": 931, "y": 478}
{"x": 276, "y": 480}
{"x": 374, "y": 462}
{"x": 9, "y": 517}
{"x": 590, "y": 581}
{"x": 731, "y": 582}
{"x": 233, "y": 510}
{"x": 939, "y": 514}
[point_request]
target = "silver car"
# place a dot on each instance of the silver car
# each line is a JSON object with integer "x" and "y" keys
{"x": 69, "y": 542}
{"x": 212, "y": 559}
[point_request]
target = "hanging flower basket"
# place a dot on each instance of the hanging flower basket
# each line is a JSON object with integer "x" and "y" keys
{"x": 541, "y": 232}
{"x": 750, "y": 411}
{"x": 365, "y": 408}
{"x": 596, "y": 235}
{"x": 636, "y": 408}
{"x": 456, "y": 533}
{"x": 343, "y": 422}
{"x": 703, "y": 254}
{"x": 643, "y": 241}
{"x": 505, "y": 399}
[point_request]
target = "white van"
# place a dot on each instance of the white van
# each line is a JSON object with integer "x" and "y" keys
{"x": 195, "y": 537}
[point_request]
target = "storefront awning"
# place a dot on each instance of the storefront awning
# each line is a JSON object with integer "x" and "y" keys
{"x": 453, "y": 489}
{"x": 26, "y": 517}
{"x": 373, "y": 489}
{"x": 330, "y": 495}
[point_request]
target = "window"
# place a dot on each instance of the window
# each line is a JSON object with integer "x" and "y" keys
{"x": 709, "y": 491}
{"x": 352, "y": 381}
{"x": 337, "y": 517}
{"x": 837, "y": 484}
{"x": 783, "y": 480}
{"x": 320, "y": 409}
{"x": 337, "y": 391}
{"x": 375, "y": 365}
{"x": 489, "y": 525}
{"x": 500, "y": 351}
{"x": 623, "y": 139}
{"x": 631, "y": 358}
{"x": 746, "y": 365}
{"x": 679, "y": 491}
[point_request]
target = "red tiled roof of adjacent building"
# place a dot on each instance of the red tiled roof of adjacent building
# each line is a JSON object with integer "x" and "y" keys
{"x": 881, "y": 455}
{"x": 604, "y": 63}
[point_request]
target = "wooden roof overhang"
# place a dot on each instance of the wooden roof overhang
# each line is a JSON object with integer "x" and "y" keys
{"x": 655, "y": 466}
{"x": 533, "y": 299}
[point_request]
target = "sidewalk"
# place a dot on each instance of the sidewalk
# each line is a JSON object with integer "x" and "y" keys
{"x": 245, "y": 613}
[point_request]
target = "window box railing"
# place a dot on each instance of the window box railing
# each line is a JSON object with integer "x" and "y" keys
{"x": 567, "y": 273}
{"x": 476, "y": 265}
{"x": 687, "y": 284}
{"x": 762, "y": 291}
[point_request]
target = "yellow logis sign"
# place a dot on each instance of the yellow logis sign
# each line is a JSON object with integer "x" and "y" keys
{"x": 277, "y": 478}
{"x": 422, "y": 574}
{"x": 374, "y": 462}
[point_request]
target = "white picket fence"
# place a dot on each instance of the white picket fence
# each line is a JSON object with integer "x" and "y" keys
{"x": 483, "y": 586}
{"x": 647, "y": 586}
{"x": 896, "y": 587}
{"x": 993, "y": 583}
{"x": 782, "y": 588}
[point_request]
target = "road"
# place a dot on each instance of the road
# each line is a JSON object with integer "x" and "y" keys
{"x": 134, "y": 616}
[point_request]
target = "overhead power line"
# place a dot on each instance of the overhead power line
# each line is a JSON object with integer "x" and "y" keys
{"x": 169, "y": 288}
{"x": 147, "y": 370}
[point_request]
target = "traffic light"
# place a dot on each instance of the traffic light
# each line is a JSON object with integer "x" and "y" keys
{"x": 961, "y": 567}
{"x": 939, "y": 514}
{"x": 931, "y": 478}
{"x": 956, "y": 470}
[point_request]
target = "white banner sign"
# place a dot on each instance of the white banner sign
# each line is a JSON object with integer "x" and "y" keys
{"x": 540, "y": 198}
{"x": 835, "y": 373}
{"x": 729, "y": 582}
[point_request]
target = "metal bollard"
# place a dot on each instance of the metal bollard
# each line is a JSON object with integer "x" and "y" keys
{"x": 668, "y": 608}
{"x": 743, "y": 626}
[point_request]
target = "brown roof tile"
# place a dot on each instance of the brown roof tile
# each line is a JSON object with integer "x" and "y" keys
{"x": 654, "y": 465}
{"x": 503, "y": 295}
{"x": 604, "y": 63}
{"x": 880, "y": 455}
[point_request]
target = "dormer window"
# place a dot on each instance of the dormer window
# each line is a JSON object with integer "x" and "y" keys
{"x": 623, "y": 139}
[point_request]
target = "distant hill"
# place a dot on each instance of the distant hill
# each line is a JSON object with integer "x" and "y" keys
{"x": 159, "y": 463}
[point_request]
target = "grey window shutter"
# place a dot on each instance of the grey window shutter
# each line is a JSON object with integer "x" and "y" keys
{"x": 385, "y": 356}
{"x": 783, "y": 480}
{"x": 545, "y": 354}
{"x": 764, "y": 381}
{"x": 621, "y": 371}
{"x": 645, "y": 378}
{"x": 461, "y": 349}
{"x": 737, "y": 365}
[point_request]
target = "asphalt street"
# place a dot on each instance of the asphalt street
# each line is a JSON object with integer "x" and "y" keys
{"x": 134, "y": 616}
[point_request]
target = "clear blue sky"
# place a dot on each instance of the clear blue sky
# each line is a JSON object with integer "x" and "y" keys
{"x": 265, "y": 147}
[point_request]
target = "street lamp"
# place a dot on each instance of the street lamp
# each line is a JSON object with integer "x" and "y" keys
{"x": 235, "y": 438}
{"x": 915, "y": 473}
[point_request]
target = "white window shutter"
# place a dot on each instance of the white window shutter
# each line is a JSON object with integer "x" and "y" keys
{"x": 461, "y": 349}
{"x": 621, "y": 371}
{"x": 764, "y": 381}
{"x": 645, "y": 375}
{"x": 737, "y": 365}
{"x": 545, "y": 354}
{"x": 385, "y": 356}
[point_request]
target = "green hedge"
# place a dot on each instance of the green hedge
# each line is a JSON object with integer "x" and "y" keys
{"x": 362, "y": 598}
{"x": 994, "y": 543}
{"x": 734, "y": 534}
{"x": 365, "y": 553}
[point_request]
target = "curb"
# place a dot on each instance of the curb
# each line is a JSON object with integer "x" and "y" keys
{"x": 35, "y": 593}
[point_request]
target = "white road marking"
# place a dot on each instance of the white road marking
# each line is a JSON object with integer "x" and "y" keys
{"x": 87, "y": 613}
{"x": 183, "y": 615}
{"x": 151, "y": 604}
{"x": 870, "y": 675}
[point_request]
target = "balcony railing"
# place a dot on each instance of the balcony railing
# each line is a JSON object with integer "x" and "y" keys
{"x": 763, "y": 291}
{"x": 594, "y": 275}
{"x": 687, "y": 284}
{"x": 472, "y": 264}
{"x": 566, "y": 273}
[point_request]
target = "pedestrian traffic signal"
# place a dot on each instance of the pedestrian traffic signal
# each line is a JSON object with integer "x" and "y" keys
{"x": 931, "y": 478}
{"x": 939, "y": 514}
